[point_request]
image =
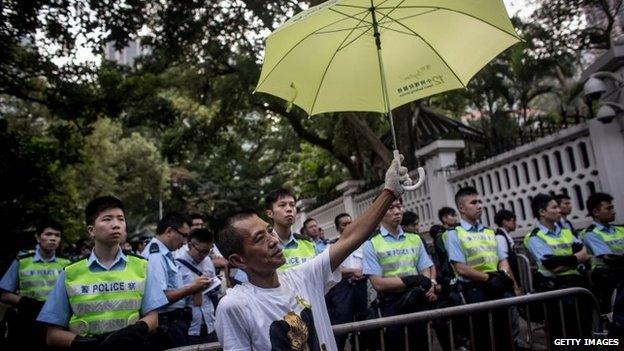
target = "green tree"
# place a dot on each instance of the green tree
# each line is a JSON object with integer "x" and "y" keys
{"x": 127, "y": 166}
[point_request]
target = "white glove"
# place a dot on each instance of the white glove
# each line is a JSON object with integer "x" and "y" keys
{"x": 397, "y": 177}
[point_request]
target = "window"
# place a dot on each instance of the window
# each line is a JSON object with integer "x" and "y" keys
{"x": 559, "y": 162}
{"x": 522, "y": 210}
{"x": 525, "y": 168}
{"x": 536, "y": 167}
{"x": 570, "y": 155}
{"x": 546, "y": 161}
{"x": 507, "y": 180}
{"x": 591, "y": 187}
{"x": 579, "y": 197}
{"x": 584, "y": 154}
{"x": 517, "y": 176}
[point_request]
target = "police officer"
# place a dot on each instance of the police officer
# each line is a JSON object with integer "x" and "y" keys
{"x": 171, "y": 233}
{"x": 27, "y": 282}
{"x": 559, "y": 256}
{"x": 313, "y": 231}
{"x": 195, "y": 263}
{"x": 482, "y": 270}
{"x": 506, "y": 222}
{"x": 605, "y": 241}
{"x": 400, "y": 270}
{"x": 347, "y": 301}
{"x": 280, "y": 207}
{"x": 565, "y": 207}
{"x": 107, "y": 300}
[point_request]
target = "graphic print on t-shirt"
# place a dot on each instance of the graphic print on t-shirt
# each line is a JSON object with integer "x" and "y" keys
{"x": 295, "y": 332}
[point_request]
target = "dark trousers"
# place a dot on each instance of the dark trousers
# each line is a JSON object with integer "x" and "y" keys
{"x": 473, "y": 293}
{"x": 23, "y": 331}
{"x": 199, "y": 339}
{"x": 568, "y": 324}
{"x": 175, "y": 325}
{"x": 346, "y": 302}
{"x": 605, "y": 281}
{"x": 395, "y": 336}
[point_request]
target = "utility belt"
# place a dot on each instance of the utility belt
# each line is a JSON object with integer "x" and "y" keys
{"x": 460, "y": 286}
{"x": 545, "y": 283}
{"x": 350, "y": 282}
{"x": 387, "y": 299}
{"x": 184, "y": 315}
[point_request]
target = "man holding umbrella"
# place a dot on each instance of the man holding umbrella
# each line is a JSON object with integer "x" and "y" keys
{"x": 287, "y": 310}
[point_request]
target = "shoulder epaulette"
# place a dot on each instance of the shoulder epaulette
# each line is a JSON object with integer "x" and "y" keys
{"x": 534, "y": 231}
{"x": 25, "y": 255}
{"x": 75, "y": 262}
{"x": 590, "y": 228}
{"x": 130, "y": 253}
{"x": 154, "y": 248}
{"x": 373, "y": 235}
{"x": 301, "y": 237}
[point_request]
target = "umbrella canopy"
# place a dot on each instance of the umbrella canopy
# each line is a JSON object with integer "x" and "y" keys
{"x": 375, "y": 55}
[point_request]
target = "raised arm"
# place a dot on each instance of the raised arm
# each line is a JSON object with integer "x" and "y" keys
{"x": 358, "y": 231}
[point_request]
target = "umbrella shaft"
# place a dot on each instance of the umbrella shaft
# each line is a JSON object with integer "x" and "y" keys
{"x": 382, "y": 73}
{"x": 384, "y": 91}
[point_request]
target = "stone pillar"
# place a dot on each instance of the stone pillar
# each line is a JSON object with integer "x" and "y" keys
{"x": 303, "y": 205}
{"x": 607, "y": 135}
{"x": 349, "y": 189}
{"x": 440, "y": 161}
{"x": 608, "y": 143}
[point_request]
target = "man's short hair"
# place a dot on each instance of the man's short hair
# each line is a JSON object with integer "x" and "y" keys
{"x": 48, "y": 223}
{"x": 174, "y": 220}
{"x": 274, "y": 196}
{"x": 230, "y": 239}
{"x": 99, "y": 205}
{"x": 305, "y": 223}
{"x": 561, "y": 197}
{"x": 540, "y": 202}
{"x": 436, "y": 230}
{"x": 465, "y": 191}
{"x": 409, "y": 218}
{"x": 339, "y": 217}
{"x": 503, "y": 215}
{"x": 446, "y": 211}
{"x": 202, "y": 235}
{"x": 193, "y": 216}
{"x": 594, "y": 200}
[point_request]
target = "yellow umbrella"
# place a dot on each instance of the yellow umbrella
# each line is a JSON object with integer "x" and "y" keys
{"x": 375, "y": 55}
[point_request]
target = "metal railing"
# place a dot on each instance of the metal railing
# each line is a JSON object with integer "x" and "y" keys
{"x": 457, "y": 311}
{"x": 525, "y": 274}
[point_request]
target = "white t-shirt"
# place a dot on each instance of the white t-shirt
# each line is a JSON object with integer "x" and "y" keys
{"x": 354, "y": 260}
{"x": 282, "y": 318}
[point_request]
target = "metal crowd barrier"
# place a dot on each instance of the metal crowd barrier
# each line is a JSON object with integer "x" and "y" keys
{"x": 455, "y": 311}
{"x": 525, "y": 274}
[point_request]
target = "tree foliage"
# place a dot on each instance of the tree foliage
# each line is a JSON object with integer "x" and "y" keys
{"x": 183, "y": 126}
